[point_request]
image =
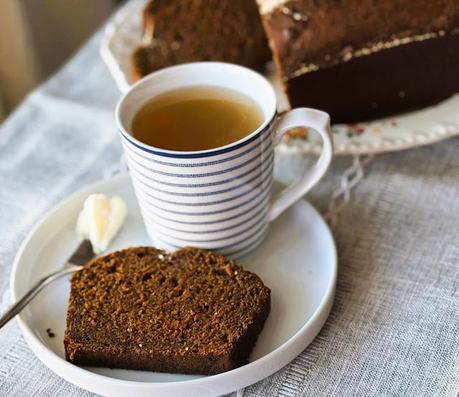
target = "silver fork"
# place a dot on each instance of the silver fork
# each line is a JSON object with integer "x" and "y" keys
{"x": 82, "y": 254}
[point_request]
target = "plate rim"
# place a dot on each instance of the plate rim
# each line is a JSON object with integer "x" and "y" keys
{"x": 296, "y": 343}
{"x": 362, "y": 149}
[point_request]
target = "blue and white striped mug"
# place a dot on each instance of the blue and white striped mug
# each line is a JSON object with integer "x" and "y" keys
{"x": 218, "y": 199}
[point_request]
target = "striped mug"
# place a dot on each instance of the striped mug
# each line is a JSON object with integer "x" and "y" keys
{"x": 217, "y": 199}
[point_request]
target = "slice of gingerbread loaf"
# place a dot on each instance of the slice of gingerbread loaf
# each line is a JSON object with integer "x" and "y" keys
{"x": 178, "y": 31}
{"x": 191, "y": 311}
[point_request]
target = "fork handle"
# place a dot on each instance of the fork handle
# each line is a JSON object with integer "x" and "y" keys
{"x": 15, "y": 308}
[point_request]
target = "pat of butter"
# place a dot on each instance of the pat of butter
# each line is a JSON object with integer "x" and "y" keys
{"x": 100, "y": 220}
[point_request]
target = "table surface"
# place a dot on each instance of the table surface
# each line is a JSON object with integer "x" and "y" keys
{"x": 394, "y": 327}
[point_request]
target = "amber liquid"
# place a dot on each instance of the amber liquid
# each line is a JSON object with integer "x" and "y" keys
{"x": 196, "y": 118}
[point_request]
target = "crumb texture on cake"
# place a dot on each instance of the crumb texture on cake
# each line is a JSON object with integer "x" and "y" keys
{"x": 191, "y": 311}
{"x": 178, "y": 31}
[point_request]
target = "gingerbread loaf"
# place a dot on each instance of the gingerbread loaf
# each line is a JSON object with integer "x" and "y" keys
{"x": 191, "y": 311}
{"x": 366, "y": 59}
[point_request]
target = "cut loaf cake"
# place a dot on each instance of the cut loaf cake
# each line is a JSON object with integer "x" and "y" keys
{"x": 363, "y": 59}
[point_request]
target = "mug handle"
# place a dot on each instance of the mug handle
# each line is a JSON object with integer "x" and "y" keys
{"x": 320, "y": 122}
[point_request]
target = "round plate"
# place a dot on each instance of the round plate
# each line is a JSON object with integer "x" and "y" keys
{"x": 422, "y": 127}
{"x": 297, "y": 261}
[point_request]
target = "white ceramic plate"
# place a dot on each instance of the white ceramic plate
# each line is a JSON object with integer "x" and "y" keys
{"x": 409, "y": 130}
{"x": 297, "y": 261}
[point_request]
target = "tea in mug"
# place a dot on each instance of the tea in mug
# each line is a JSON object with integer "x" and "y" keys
{"x": 196, "y": 118}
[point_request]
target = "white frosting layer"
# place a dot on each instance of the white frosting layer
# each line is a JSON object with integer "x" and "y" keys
{"x": 100, "y": 220}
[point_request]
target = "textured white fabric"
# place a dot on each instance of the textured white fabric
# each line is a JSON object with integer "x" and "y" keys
{"x": 394, "y": 328}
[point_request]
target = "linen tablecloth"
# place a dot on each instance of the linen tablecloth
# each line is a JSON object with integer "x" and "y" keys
{"x": 394, "y": 327}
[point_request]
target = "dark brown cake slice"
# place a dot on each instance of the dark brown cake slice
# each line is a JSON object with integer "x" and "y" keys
{"x": 181, "y": 31}
{"x": 191, "y": 311}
